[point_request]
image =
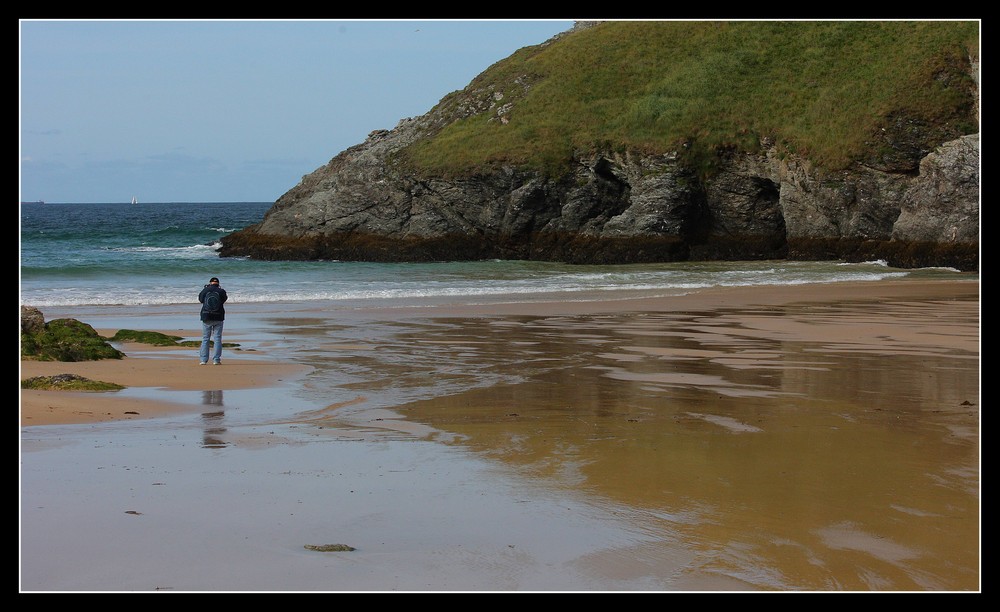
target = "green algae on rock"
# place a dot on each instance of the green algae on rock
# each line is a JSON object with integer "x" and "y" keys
{"x": 65, "y": 340}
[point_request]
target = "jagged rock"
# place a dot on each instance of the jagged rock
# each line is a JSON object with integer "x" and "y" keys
{"x": 942, "y": 203}
{"x": 620, "y": 208}
{"x": 32, "y": 320}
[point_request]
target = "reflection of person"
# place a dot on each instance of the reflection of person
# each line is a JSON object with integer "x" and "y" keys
{"x": 213, "y": 314}
{"x": 214, "y": 427}
{"x": 212, "y": 398}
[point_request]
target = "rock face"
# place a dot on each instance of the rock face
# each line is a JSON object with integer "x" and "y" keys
{"x": 911, "y": 207}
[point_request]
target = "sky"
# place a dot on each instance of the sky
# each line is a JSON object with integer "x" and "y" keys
{"x": 229, "y": 110}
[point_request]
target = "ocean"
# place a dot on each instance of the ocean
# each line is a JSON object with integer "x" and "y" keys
{"x": 163, "y": 253}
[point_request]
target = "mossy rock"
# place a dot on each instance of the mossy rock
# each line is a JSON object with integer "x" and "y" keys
{"x": 68, "y": 382}
{"x": 67, "y": 340}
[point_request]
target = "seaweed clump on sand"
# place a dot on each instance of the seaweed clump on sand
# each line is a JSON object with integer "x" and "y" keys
{"x": 329, "y": 547}
{"x": 159, "y": 339}
{"x": 68, "y": 382}
{"x": 145, "y": 337}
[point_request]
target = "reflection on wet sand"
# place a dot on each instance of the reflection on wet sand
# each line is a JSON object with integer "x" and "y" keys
{"x": 212, "y": 420}
{"x": 790, "y": 447}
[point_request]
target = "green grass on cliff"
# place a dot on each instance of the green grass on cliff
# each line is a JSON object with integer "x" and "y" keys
{"x": 819, "y": 89}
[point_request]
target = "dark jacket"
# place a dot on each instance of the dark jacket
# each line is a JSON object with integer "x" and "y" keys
{"x": 220, "y": 313}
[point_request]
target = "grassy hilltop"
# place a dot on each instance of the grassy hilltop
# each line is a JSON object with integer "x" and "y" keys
{"x": 818, "y": 89}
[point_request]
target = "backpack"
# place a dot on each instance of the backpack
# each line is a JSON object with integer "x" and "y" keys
{"x": 212, "y": 302}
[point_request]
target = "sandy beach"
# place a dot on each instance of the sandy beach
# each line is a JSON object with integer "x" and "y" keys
{"x": 795, "y": 438}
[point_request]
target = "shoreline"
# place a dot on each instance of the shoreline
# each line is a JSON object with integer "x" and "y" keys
{"x": 171, "y": 368}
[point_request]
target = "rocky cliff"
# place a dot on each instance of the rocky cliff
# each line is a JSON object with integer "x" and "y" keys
{"x": 913, "y": 202}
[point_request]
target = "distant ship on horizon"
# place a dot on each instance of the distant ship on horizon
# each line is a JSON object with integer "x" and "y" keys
{"x": 134, "y": 201}
{"x": 35, "y": 202}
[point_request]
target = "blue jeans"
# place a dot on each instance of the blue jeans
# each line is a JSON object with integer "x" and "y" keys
{"x": 211, "y": 330}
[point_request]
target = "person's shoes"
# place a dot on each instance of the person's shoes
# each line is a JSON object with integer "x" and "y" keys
{"x": 202, "y": 363}
{"x": 216, "y": 363}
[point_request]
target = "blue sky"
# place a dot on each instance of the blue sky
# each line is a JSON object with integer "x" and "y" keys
{"x": 229, "y": 111}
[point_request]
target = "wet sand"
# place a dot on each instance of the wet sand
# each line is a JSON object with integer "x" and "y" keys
{"x": 809, "y": 438}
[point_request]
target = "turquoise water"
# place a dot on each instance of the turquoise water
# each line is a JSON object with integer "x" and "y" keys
{"x": 162, "y": 254}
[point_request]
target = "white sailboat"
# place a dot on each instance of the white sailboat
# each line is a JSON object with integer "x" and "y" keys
{"x": 134, "y": 201}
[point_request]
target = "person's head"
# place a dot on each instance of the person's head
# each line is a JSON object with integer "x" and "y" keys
{"x": 213, "y": 281}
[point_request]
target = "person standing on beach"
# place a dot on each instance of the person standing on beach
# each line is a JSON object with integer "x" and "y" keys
{"x": 213, "y": 314}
